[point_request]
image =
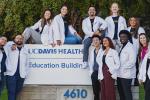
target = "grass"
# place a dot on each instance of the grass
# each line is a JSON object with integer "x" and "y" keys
{"x": 141, "y": 94}
{"x": 4, "y": 95}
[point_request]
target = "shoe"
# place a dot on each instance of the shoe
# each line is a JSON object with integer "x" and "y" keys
{"x": 84, "y": 65}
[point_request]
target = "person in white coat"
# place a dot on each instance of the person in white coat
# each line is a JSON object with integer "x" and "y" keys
{"x": 3, "y": 56}
{"x": 115, "y": 24}
{"x": 109, "y": 64}
{"x": 16, "y": 67}
{"x": 127, "y": 69}
{"x": 64, "y": 33}
{"x": 144, "y": 75}
{"x": 92, "y": 25}
{"x": 93, "y": 65}
{"x": 135, "y": 29}
{"x": 42, "y": 31}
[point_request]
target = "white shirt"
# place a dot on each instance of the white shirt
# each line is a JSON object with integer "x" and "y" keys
{"x": 59, "y": 29}
{"x": 136, "y": 41}
{"x": 91, "y": 58}
{"x": 47, "y": 33}
{"x": 12, "y": 61}
{"x": 142, "y": 71}
{"x": 127, "y": 62}
{"x": 98, "y": 23}
{"x": 110, "y": 31}
{"x": 112, "y": 61}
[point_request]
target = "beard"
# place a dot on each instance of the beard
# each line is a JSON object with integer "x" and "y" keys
{"x": 19, "y": 42}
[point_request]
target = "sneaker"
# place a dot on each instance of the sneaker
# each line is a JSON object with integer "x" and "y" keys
{"x": 85, "y": 65}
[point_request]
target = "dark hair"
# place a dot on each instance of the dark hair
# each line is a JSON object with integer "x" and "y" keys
{"x": 111, "y": 45}
{"x": 126, "y": 32}
{"x": 43, "y": 22}
{"x": 135, "y": 34}
{"x": 146, "y": 39}
{"x": 67, "y": 17}
{"x": 92, "y": 5}
{"x": 97, "y": 36}
{"x": 64, "y": 5}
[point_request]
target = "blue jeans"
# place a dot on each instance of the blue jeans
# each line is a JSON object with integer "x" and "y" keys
{"x": 87, "y": 42}
{"x": 72, "y": 39}
{"x": 2, "y": 83}
{"x": 14, "y": 85}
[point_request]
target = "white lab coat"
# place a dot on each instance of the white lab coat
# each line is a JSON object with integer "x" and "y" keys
{"x": 47, "y": 33}
{"x": 127, "y": 62}
{"x": 142, "y": 71}
{"x": 136, "y": 41}
{"x": 59, "y": 29}
{"x": 5, "y": 49}
{"x": 112, "y": 61}
{"x": 111, "y": 26}
{"x": 91, "y": 58}
{"x": 99, "y": 23}
{"x": 12, "y": 61}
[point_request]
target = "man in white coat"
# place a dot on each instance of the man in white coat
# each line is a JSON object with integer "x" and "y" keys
{"x": 3, "y": 57}
{"x": 93, "y": 65}
{"x": 16, "y": 67}
{"x": 127, "y": 69}
{"x": 92, "y": 25}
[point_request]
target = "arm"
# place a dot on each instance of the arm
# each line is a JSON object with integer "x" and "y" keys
{"x": 56, "y": 32}
{"x": 86, "y": 30}
{"x": 131, "y": 58}
{"x": 36, "y": 25}
{"x": 142, "y": 70}
{"x": 116, "y": 60}
{"x": 103, "y": 24}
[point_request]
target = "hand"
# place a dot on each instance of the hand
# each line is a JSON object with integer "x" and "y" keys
{"x": 140, "y": 82}
{"x": 53, "y": 44}
{"x": 58, "y": 42}
{"x": 97, "y": 33}
{"x": 13, "y": 47}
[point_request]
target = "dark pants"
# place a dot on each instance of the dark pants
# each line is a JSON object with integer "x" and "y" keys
{"x": 87, "y": 42}
{"x": 2, "y": 83}
{"x": 136, "y": 82}
{"x": 14, "y": 85}
{"x": 147, "y": 89}
{"x": 95, "y": 85}
{"x": 124, "y": 88}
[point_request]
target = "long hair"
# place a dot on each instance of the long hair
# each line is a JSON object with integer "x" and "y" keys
{"x": 141, "y": 46}
{"x": 146, "y": 39}
{"x": 135, "y": 34}
{"x": 67, "y": 17}
{"x": 44, "y": 21}
{"x": 111, "y": 45}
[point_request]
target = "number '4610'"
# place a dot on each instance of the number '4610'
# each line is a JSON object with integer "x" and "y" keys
{"x": 76, "y": 93}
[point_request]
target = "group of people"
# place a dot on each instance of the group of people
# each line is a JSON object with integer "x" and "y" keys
{"x": 111, "y": 50}
{"x": 13, "y": 65}
{"x": 121, "y": 53}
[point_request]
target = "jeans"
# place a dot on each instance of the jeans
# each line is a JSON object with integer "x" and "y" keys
{"x": 87, "y": 43}
{"x": 31, "y": 33}
{"x": 72, "y": 39}
{"x": 2, "y": 83}
{"x": 14, "y": 85}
